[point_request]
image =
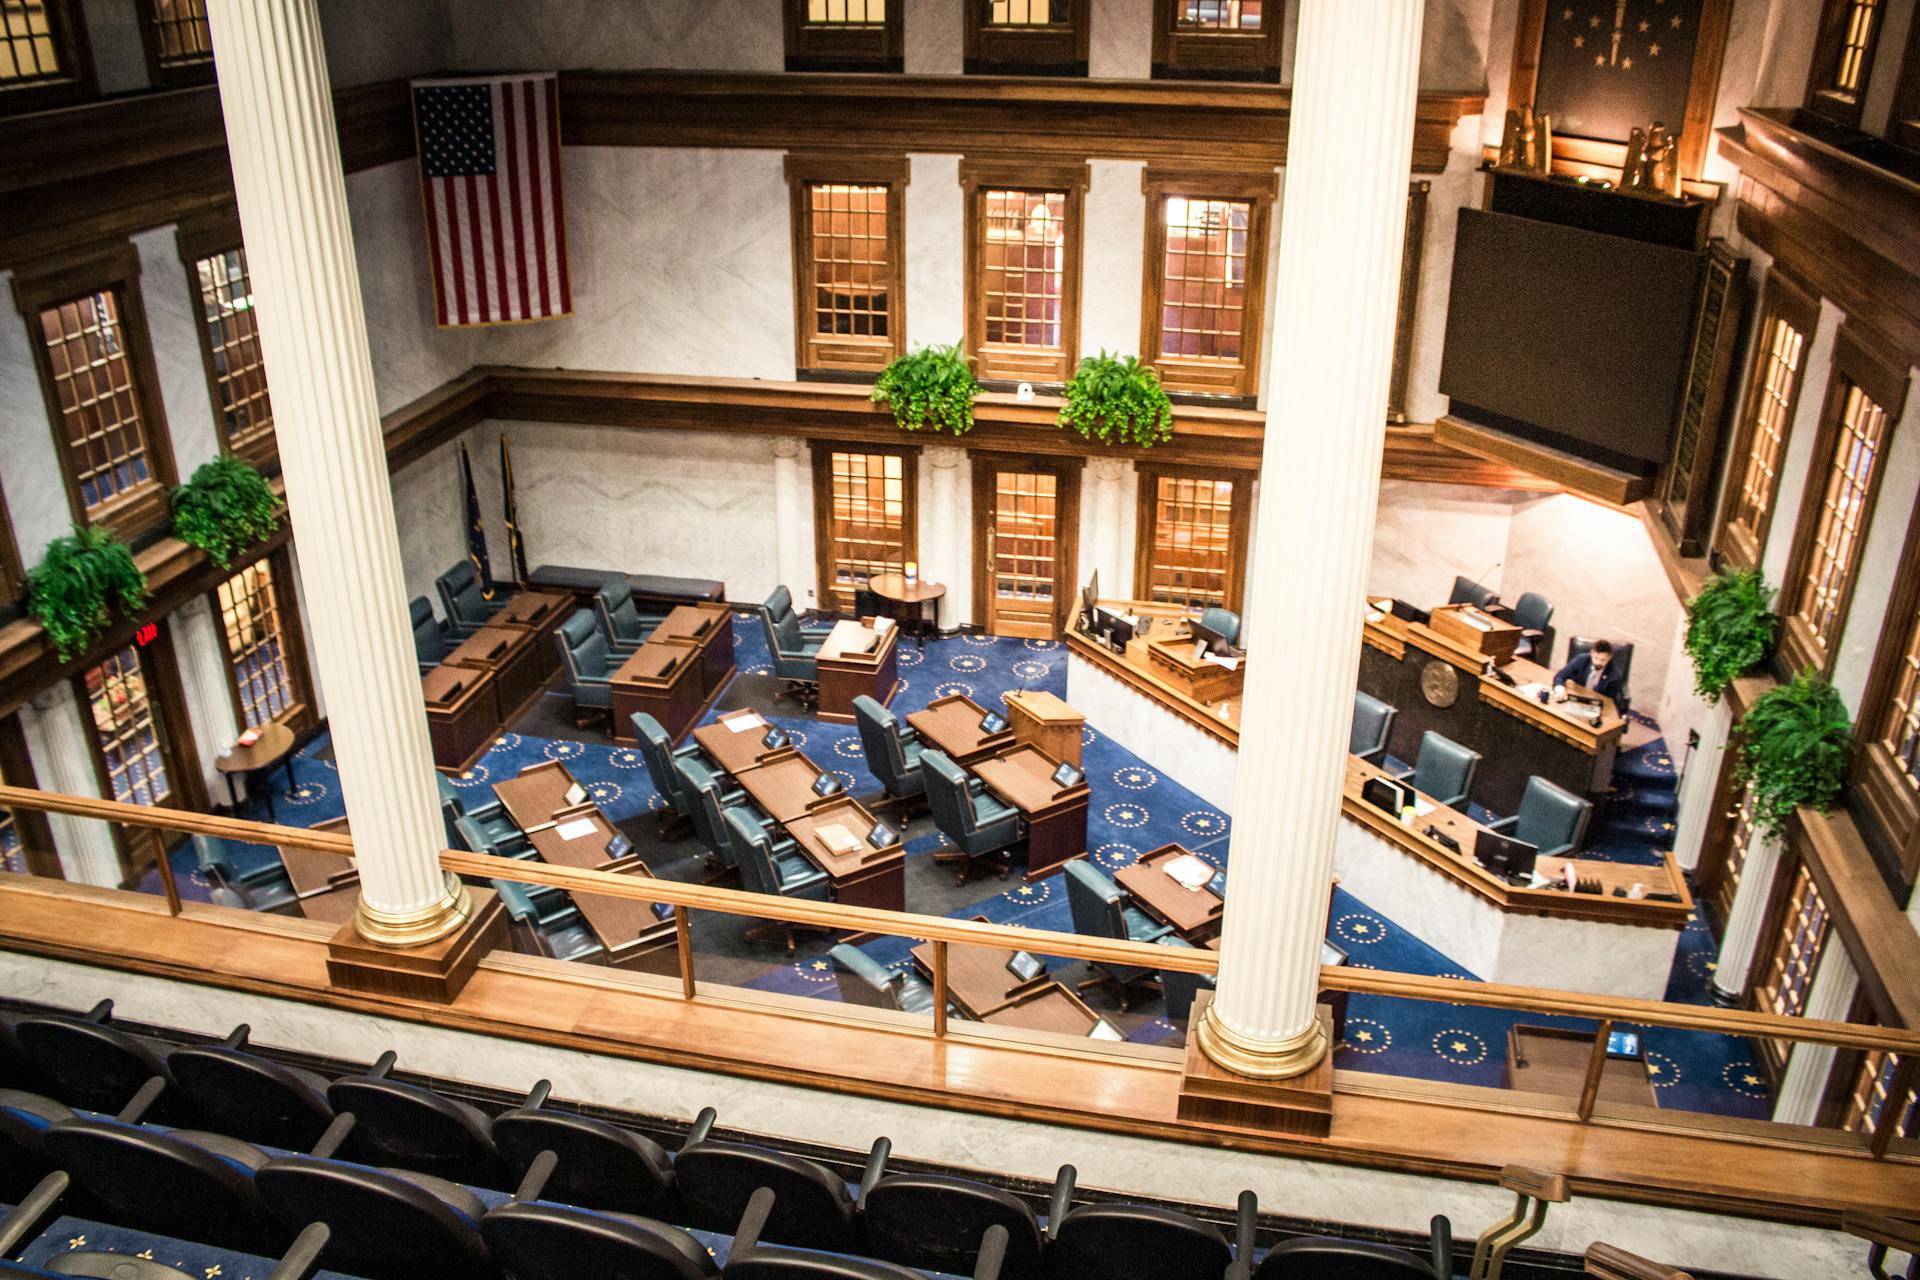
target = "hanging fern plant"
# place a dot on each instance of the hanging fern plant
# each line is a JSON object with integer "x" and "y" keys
{"x": 933, "y": 386}
{"x": 227, "y": 505}
{"x": 80, "y": 580}
{"x": 1795, "y": 741}
{"x": 1730, "y": 629}
{"x": 1117, "y": 400}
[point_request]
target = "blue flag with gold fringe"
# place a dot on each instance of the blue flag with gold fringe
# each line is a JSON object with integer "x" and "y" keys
{"x": 476, "y": 536}
{"x": 516, "y": 548}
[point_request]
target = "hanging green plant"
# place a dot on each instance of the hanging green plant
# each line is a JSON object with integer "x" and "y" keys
{"x": 933, "y": 386}
{"x": 1730, "y": 629}
{"x": 1795, "y": 741}
{"x": 76, "y": 585}
{"x": 227, "y": 505}
{"x": 1117, "y": 400}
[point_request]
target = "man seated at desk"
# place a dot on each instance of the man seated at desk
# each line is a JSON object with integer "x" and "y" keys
{"x": 1593, "y": 670}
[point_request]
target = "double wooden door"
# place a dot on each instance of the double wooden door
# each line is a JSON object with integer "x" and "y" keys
{"x": 1026, "y": 518}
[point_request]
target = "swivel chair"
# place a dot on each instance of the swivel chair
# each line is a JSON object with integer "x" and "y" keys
{"x": 1533, "y": 614}
{"x": 250, "y": 1097}
{"x": 410, "y": 1127}
{"x": 1467, "y": 591}
{"x": 979, "y": 826}
{"x": 793, "y": 654}
{"x": 1551, "y": 818}
{"x": 463, "y": 601}
{"x": 657, "y": 749}
{"x": 1100, "y": 911}
{"x": 863, "y": 980}
{"x": 1372, "y": 726}
{"x": 429, "y": 641}
{"x": 1622, "y": 661}
{"x": 588, "y": 664}
{"x": 1224, "y": 623}
{"x": 1180, "y": 988}
{"x": 1100, "y": 1241}
{"x": 712, "y": 793}
{"x": 717, "y": 1178}
{"x": 534, "y": 1239}
{"x": 780, "y": 605}
{"x": 776, "y": 867}
{"x": 601, "y": 1166}
{"x": 892, "y": 749}
{"x": 1444, "y": 770}
{"x": 936, "y": 1221}
{"x": 263, "y": 887}
{"x": 498, "y": 837}
{"x": 619, "y": 618}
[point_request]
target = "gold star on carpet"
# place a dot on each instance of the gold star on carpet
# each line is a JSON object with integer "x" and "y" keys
{"x": 819, "y": 964}
{"x": 1676, "y": 22}
{"x": 1644, "y": 24}
{"x": 1458, "y": 1046}
{"x": 1750, "y": 1078}
{"x": 1653, "y": 1068}
{"x": 1653, "y": 51}
{"x": 1363, "y": 1036}
{"x": 1026, "y": 890}
{"x": 76, "y": 1242}
{"x": 1579, "y": 42}
{"x": 1361, "y": 927}
{"x": 1712, "y": 965}
{"x": 145, "y": 1254}
{"x": 213, "y": 1271}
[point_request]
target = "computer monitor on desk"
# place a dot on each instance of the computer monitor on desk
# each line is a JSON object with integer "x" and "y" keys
{"x": 1503, "y": 855}
{"x": 1216, "y": 643}
{"x": 1117, "y": 630}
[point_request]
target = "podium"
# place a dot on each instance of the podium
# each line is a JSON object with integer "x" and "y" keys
{"x": 857, "y": 658}
{"x": 1040, "y": 719}
{"x": 463, "y": 715}
{"x": 664, "y": 679}
{"x": 1201, "y": 678}
{"x": 1475, "y": 631}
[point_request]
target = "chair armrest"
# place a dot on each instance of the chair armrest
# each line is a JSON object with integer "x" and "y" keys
{"x": 1375, "y": 755}
{"x": 784, "y": 845}
{"x": 1505, "y": 824}
{"x": 908, "y": 733}
{"x": 1159, "y": 932}
{"x": 702, "y": 1127}
{"x": 23, "y": 1221}
{"x": 1245, "y": 1217}
{"x": 1062, "y": 1197}
{"x": 686, "y": 751}
{"x": 303, "y": 1259}
{"x": 1440, "y": 1247}
{"x": 876, "y": 1166}
{"x": 586, "y": 677}
{"x": 1401, "y": 776}
{"x": 975, "y": 787}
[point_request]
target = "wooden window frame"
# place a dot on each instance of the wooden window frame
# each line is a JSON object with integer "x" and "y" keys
{"x": 1056, "y": 50}
{"x": 201, "y": 237}
{"x": 1239, "y": 524}
{"x": 67, "y": 20}
{"x": 112, "y": 268}
{"x": 168, "y": 75}
{"x": 300, "y": 716}
{"x": 37, "y": 849}
{"x": 1856, "y": 363}
{"x": 13, "y": 573}
{"x": 844, "y": 353}
{"x": 1903, "y": 122}
{"x": 1197, "y": 374}
{"x": 823, "y": 452}
{"x": 1884, "y": 804}
{"x": 1216, "y": 55}
{"x": 813, "y": 46}
{"x": 1786, "y": 300}
{"x": 1824, "y": 98}
{"x": 1008, "y": 363}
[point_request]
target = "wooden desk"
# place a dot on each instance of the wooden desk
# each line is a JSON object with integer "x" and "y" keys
{"x": 310, "y": 872}
{"x": 1201, "y": 679}
{"x": 632, "y": 935}
{"x": 538, "y": 795}
{"x": 736, "y": 752}
{"x": 1044, "y": 720}
{"x": 507, "y": 653}
{"x": 1553, "y": 1060}
{"x": 541, "y": 613}
{"x": 783, "y": 786}
{"x": 952, "y": 725}
{"x": 272, "y": 749}
{"x": 335, "y": 905}
{"x": 978, "y": 981}
{"x": 1193, "y": 913}
{"x": 1050, "y": 1007}
{"x": 665, "y": 680}
{"x": 863, "y": 877}
{"x": 707, "y": 628}
{"x": 1022, "y": 776}
{"x": 587, "y": 850}
{"x": 1475, "y": 630}
{"x": 896, "y": 590}
{"x": 851, "y": 663}
{"x": 463, "y": 715}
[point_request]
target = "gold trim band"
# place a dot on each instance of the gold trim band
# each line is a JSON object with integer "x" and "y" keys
{"x": 416, "y": 928}
{"x": 1257, "y": 1056}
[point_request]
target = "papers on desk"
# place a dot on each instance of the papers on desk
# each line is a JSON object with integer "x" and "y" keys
{"x": 1231, "y": 664}
{"x": 577, "y": 828}
{"x": 742, "y": 722}
{"x": 882, "y": 625}
{"x": 837, "y": 838}
{"x": 1531, "y": 689}
{"x": 1189, "y": 872}
{"x": 1421, "y": 808}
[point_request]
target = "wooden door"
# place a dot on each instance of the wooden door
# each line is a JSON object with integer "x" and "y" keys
{"x": 1027, "y": 523}
{"x": 136, "y": 714}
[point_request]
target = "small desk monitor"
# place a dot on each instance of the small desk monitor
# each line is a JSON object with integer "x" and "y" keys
{"x": 1504, "y": 855}
{"x": 992, "y": 722}
{"x": 1385, "y": 795}
{"x": 1025, "y": 966}
{"x": 825, "y": 785}
{"x": 1407, "y": 613}
{"x": 1215, "y": 642}
{"x": 1067, "y": 775}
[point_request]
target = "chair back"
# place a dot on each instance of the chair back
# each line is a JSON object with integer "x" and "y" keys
{"x": 1224, "y": 623}
{"x": 409, "y": 1127}
{"x": 780, "y": 604}
{"x": 472, "y": 835}
{"x": 428, "y": 646}
{"x": 619, "y": 617}
{"x": 787, "y": 640}
{"x": 948, "y": 797}
{"x": 517, "y": 902}
{"x": 1100, "y": 1241}
{"x": 1331, "y": 1258}
{"x": 1180, "y": 988}
{"x": 1551, "y": 817}
{"x": 1095, "y": 901}
{"x": 786, "y": 648}
{"x": 383, "y": 1226}
{"x": 255, "y": 1098}
{"x": 1532, "y": 611}
{"x": 538, "y": 1240}
{"x": 24, "y": 1121}
{"x": 1622, "y": 660}
{"x": 752, "y": 850}
{"x": 880, "y": 738}
{"x": 656, "y": 748}
{"x": 582, "y": 648}
{"x": 935, "y": 1222}
{"x": 702, "y": 786}
{"x": 863, "y": 980}
{"x": 461, "y": 595}
{"x": 812, "y": 1209}
{"x": 194, "y": 1186}
{"x": 601, "y": 1166}
{"x": 1467, "y": 591}
{"x": 90, "y": 1066}
{"x": 1372, "y": 725}
{"x": 1444, "y": 768}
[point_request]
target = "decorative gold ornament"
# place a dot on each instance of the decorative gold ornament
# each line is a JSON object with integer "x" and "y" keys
{"x": 1255, "y": 1056}
{"x": 416, "y": 928}
{"x": 1440, "y": 683}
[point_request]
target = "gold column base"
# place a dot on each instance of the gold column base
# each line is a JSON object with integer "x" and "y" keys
{"x": 1256, "y": 1056}
{"x": 416, "y": 928}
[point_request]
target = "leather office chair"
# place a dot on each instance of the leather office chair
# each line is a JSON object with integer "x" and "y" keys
{"x": 601, "y": 1165}
{"x": 780, "y": 605}
{"x": 657, "y": 749}
{"x": 383, "y": 1224}
{"x": 863, "y": 980}
{"x": 711, "y": 794}
{"x": 793, "y": 654}
{"x": 1622, "y": 661}
{"x": 461, "y": 600}
{"x": 263, "y": 887}
{"x": 936, "y": 1222}
{"x": 619, "y": 618}
{"x": 429, "y": 641}
{"x": 1180, "y": 988}
{"x": 532, "y": 1239}
{"x": 587, "y": 662}
{"x": 1551, "y": 818}
{"x": 1100, "y": 1241}
{"x": 1332, "y": 1258}
{"x": 751, "y": 1260}
{"x": 1533, "y": 614}
{"x": 1467, "y": 591}
{"x": 892, "y": 749}
{"x": 252, "y": 1098}
{"x": 92, "y": 1066}
{"x": 770, "y": 866}
{"x": 978, "y": 824}
{"x": 409, "y": 1127}
{"x": 1372, "y": 726}
{"x": 1223, "y": 622}
{"x": 718, "y": 1178}
{"x": 1444, "y": 770}
{"x": 1100, "y": 910}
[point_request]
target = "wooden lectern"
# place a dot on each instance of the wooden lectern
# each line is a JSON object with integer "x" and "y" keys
{"x": 1042, "y": 720}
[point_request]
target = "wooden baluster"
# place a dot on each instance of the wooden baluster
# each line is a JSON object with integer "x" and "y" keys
{"x": 683, "y": 944}
{"x": 939, "y": 990}
{"x": 166, "y": 873}
{"x": 1596, "y": 1063}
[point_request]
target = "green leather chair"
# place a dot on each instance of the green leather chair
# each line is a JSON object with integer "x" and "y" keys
{"x": 711, "y": 794}
{"x": 429, "y": 639}
{"x": 621, "y": 621}
{"x": 1533, "y": 614}
{"x": 265, "y": 887}
{"x": 1224, "y": 623}
{"x": 500, "y": 837}
{"x": 1444, "y": 770}
{"x": 1551, "y": 818}
{"x": 864, "y": 980}
{"x": 773, "y": 866}
{"x": 1100, "y": 910}
{"x": 587, "y": 663}
{"x": 979, "y": 825}
{"x": 461, "y": 600}
{"x": 892, "y": 748}
{"x": 780, "y": 605}
{"x": 792, "y": 652}
{"x": 657, "y": 749}
{"x": 1180, "y": 988}
{"x": 1467, "y": 591}
{"x": 1372, "y": 725}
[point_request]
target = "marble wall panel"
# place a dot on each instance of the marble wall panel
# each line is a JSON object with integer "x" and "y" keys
{"x": 1120, "y": 43}
{"x": 173, "y": 322}
{"x": 733, "y": 35}
{"x": 936, "y": 257}
{"x": 1424, "y": 534}
{"x": 1112, "y": 270}
{"x": 935, "y": 40}
{"x": 36, "y": 493}
{"x": 373, "y": 40}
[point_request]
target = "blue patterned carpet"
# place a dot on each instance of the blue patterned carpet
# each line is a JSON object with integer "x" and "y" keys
{"x": 1137, "y": 809}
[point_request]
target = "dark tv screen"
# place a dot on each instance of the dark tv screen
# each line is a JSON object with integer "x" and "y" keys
{"x": 1578, "y": 334}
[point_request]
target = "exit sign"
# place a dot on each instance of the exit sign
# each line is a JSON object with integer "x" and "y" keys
{"x": 147, "y": 634}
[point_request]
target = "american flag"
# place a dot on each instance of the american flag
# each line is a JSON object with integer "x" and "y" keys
{"x": 490, "y": 174}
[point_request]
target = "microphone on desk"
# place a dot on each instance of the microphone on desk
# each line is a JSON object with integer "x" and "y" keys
{"x": 1481, "y": 580}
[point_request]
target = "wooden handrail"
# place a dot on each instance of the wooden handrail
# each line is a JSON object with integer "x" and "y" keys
{"x": 941, "y": 929}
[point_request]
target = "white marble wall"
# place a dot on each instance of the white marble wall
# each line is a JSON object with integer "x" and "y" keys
{"x": 1203, "y": 763}
{"x": 1424, "y": 534}
{"x": 1112, "y": 271}
{"x": 372, "y": 40}
{"x": 1120, "y": 44}
{"x": 29, "y": 467}
{"x": 935, "y": 40}
{"x": 936, "y": 232}
{"x": 173, "y": 323}
{"x": 428, "y": 511}
{"x": 734, "y": 35}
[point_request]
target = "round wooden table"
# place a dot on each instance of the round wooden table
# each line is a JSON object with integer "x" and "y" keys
{"x": 897, "y": 591}
{"x": 273, "y": 747}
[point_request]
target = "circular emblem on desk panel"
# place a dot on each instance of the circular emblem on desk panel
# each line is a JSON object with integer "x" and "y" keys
{"x": 1440, "y": 683}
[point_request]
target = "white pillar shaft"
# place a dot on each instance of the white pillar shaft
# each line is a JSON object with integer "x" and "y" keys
{"x": 1829, "y": 999}
{"x": 1349, "y": 151}
{"x": 792, "y": 527}
{"x": 63, "y": 762}
{"x": 292, "y": 198}
{"x": 1745, "y": 917}
{"x": 1697, "y": 785}
{"x": 945, "y": 556}
{"x": 207, "y": 683}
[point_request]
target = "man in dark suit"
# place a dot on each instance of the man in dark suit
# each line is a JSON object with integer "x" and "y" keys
{"x": 1593, "y": 670}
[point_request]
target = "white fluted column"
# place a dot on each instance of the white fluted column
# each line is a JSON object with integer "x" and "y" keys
{"x": 792, "y": 519}
{"x": 1744, "y": 919}
{"x": 1699, "y": 783}
{"x": 206, "y": 681}
{"x": 292, "y": 198}
{"x": 1829, "y": 999}
{"x": 63, "y": 762}
{"x": 1349, "y": 151}
{"x": 946, "y": 554}
{"x": 1105, "y": 548}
